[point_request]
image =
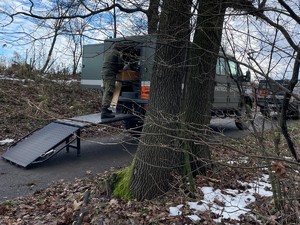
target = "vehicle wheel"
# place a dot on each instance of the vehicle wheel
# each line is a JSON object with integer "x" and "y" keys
{"x": 265, "y": 112}
{"x": 293, "y": 111}
{"x": 134, "y": 126}
{"x": 294, "y": 115}
{"x": 244, "y": 119}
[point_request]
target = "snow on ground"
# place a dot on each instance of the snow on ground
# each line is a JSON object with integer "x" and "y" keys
{"x": 6, "y": 141}
{"x": 228, "y": 203}
{"x": 13, "y": 78}
{"x": 3, "y": 77}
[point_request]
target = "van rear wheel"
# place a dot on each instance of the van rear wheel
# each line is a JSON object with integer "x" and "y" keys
{"x": 265, "y": 112}
{"x": 134, "y": 126}
{"x": 244, "y": 117}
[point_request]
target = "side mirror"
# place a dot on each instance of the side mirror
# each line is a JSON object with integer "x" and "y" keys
{"x": 247, "y": 77}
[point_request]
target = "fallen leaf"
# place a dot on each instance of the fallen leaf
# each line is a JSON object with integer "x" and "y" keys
{"x": 279, "y": 168}
{"x": 113, "y": 201}
{"x": 76, "y": 205}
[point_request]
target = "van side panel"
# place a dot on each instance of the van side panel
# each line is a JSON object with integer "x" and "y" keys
{"x": 93, "y": 55}
{"x": 92, "y": 61}
{"x": 147, "y": 60}
{"x": 221, "y": 91}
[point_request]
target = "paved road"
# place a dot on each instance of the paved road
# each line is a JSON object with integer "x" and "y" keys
{"x": 16, "y": 181}
{"x": 227, "y": 126}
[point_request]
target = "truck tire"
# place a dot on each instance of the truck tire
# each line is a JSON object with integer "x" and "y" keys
{"x": 242, "y": 121}
{"x": 293, "y": 115}
{"x": 265, "y": 112}
{"x": 293, "y": 111}
{"x": 134, "y": 126}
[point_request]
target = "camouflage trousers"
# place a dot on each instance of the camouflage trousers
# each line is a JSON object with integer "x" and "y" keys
{"x": 109, "y": 81}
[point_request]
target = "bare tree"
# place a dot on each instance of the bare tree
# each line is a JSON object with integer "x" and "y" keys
{"x": 57, "y": 27}
{"x": 278, "y": 45}
{"x": 288, "y": 15}
{"x": 157, "y": 158}
{"x": 58, "y": 15}
{"x": 204, "y": 53}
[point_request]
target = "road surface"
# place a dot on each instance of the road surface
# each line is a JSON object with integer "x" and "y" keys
{"x": 95, "y": 157}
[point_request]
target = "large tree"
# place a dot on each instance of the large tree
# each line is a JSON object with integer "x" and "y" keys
{"x": 157, "y": 158}
{"x": 153, "y": 16}
{"x": 203, "y": 57}
{"x": 160, "y": 153}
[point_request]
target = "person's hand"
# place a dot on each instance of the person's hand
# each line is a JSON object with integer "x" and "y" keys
{"x": 122, "y": 70}
{"x": 126, "y": 67}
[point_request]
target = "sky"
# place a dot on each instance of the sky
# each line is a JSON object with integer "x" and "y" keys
{"x": 242, "y": 35}
{"x": 249, "y": 35}
{"x": 28, "y": 37}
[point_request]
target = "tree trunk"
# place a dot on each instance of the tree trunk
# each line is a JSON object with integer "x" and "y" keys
{"x": 199, "y": 90}
{"x": 153, "y": 16}
{"x": 285, "y": 106}
{"x": 157, "y": 157}
{"x": 76, "y": 57}
{"x": 57, "y": 28}
{"x": 46, "y": 64}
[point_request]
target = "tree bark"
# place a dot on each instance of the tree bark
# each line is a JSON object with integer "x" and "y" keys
{"x": 57, "y": 28}
{"x": 199, "y": 90}
{"x": 153, "y": 16}
{"x": 157, "y": 157}
{"x": 285, "y": 106}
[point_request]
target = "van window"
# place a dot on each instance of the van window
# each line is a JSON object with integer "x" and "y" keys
{"x": 233, "y": 69}
{"x": 220, "y": 68}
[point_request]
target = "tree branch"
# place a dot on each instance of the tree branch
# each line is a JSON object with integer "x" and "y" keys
{"x": 82, "y": 16}
{"x": 291, "y": 12}
{"x": 248, "y": 7}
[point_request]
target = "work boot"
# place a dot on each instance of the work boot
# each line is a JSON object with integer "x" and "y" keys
{"x": 108, "y": 110}
{"x": 106, "y": 113}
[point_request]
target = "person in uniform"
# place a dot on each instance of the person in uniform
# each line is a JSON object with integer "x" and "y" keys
{"x": 112, "y": 65}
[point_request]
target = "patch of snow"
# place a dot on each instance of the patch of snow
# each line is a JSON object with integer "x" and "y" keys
{"x": 262, "y": 187}
{"x": 240, "y": 160}
{"x": 194, "y": 218}
{"x": 229, "y": 203}
{"x": 12, "y": 78}
{"x": 6, "y": 141}
{"x": 233, "y": 203}
{"x": 66, "y": 81}
{"x": 175, "y": 211}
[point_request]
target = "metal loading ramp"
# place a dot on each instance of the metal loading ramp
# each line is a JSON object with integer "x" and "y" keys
{"x": 45, "y": 142}
{"x": 39, "y": 145}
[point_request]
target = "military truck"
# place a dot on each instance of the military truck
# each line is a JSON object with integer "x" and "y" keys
{"x": 133, "y": 87}
{"x": 270, "y": 98}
